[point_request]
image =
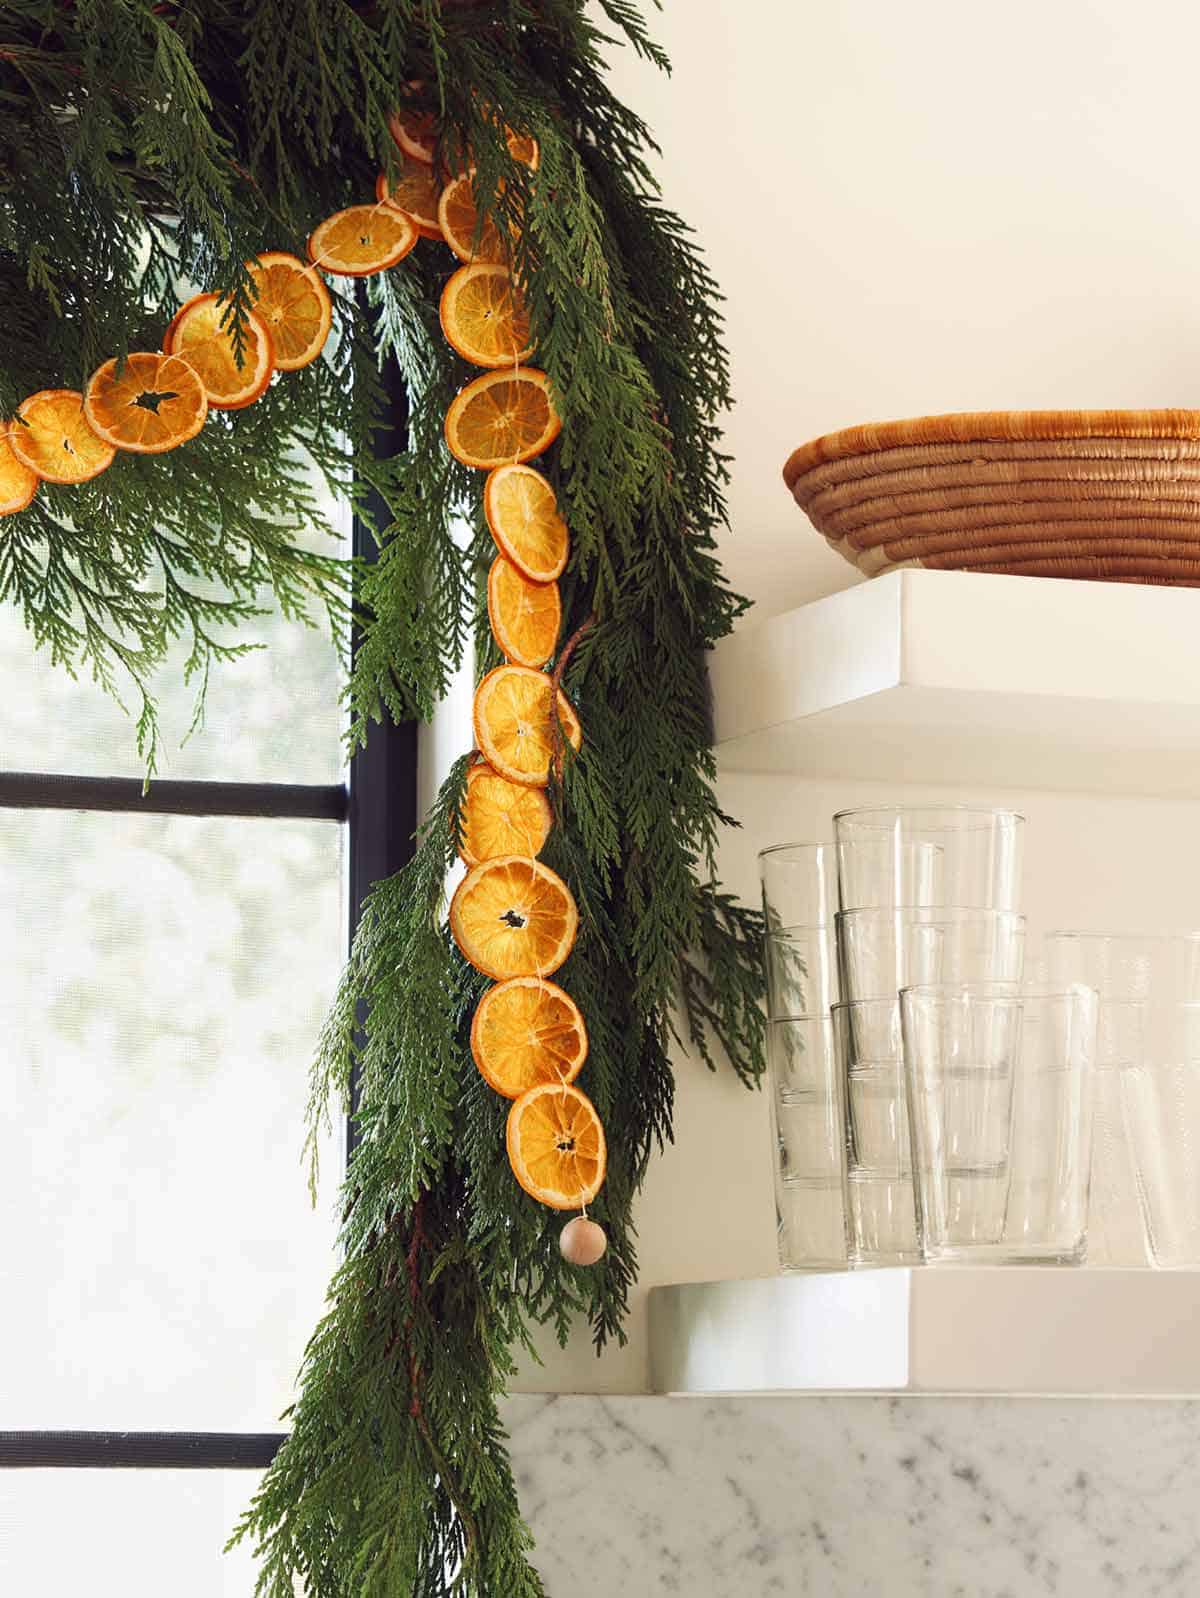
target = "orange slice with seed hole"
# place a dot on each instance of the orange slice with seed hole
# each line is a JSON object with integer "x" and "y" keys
{"x": 458, "y": 219}
{"x": 362, "y": 240}
{"x": 18, "y": 482}
{"x": 513, "y": 917}
{"x": 514, "y": 729}
{"x": 500, "y": 817}
{"x": 522, "y": 514}
{"x": 525, "y": 1031}
{"x": 415, "y": 192}
{"x": 51, "y": 435}
{"x": 556, "y": 1146}
{"x": 294, "y": 305}
{"x": 202, "y": 332}
{"x": 502, "y": 417}
{"x": 484, "y": 316}
{"x": 525, "y": 617}
{"x": 150, "y": 405}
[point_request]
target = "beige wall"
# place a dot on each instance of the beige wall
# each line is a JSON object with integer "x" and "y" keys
{"x": 920, "y": 208}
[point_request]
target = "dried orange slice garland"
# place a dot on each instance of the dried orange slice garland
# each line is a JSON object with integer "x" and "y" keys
{"x": 513, "y": 918}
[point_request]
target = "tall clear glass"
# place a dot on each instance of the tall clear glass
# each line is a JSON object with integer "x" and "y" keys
{"x": 999, "y": 1086}
{"x": 1162, "y": 1111}
{"x": 925, "y": 854}
{"x": 808, "y": 1128}
{"x": 882, "y": 950}
{"x": 880, "y": 1217}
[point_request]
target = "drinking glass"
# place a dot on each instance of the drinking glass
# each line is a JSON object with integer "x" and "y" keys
{"x": 808, "y": 1130}
{"x": 1000, "y": 1108}
{"x": 801, "y": 972}
{"x": 880, "y": 1218}
{"x": 882, "y": 950}
{"x": 799, "y": 885}
{"x": 799, "y": 888}
{"x": 1162, "y": 1112}
{"x": 929, "y": 855}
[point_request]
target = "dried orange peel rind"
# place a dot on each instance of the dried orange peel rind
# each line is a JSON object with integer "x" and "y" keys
{"x": 362, "y": 240}
{"x": 526, "y": 1031}
{"x": 153, "y": 403}
{"x": 513, "y": 917}
{"x": 501, "y": 418}
{"x": 499, "y": 817}
{"x": 514, "y": 724}
{"x": 294, "y": 305}
{"x": 522, "y": 515}
{"x": 51, "y": 435}
{"x": 202, "y": 333}
{"x": 556, "y": 1146}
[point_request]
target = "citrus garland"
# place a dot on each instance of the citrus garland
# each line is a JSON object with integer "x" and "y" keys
{"x": 512, "y": 917}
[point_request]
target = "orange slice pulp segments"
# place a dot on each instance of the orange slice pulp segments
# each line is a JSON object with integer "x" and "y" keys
{"x": 522, "y": 514}
{"x": 294, "y": 305}
{"x": 513, "y": 917}
{"x": 362, "y": 240}
{"x": 458, "y": 219}
{"x": 499, "y": 817}
{"x": 556, "y": 1146}
{"x": 484, "y": 316}
{"x": 51, "y": 436}
{"x": 513, "y": 727}
{"x": 155, "y": 403}
{"x": 415, "y": 132}
{"x": 526, "y": 1031}
{"x": 18, "y": 482}
{"x": 415, "y": 192}
{"x": 525, "y": 617}
{"x": 202, "y": 333}
{"x": 502, "y": 417}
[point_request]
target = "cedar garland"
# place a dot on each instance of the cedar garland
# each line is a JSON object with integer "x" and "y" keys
{"x": 147, "y": 145}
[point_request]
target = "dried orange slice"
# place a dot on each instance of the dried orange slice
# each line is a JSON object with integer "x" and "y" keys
{"x": 155, "y": 403}
{"x": 556, "y": 1146}
{"x": 499, "y": 817}
{"x": 513, "y": 917}
{"x": 295, "y": 306}
{"x": 416, "y": 133}
{"x": 362, "y": 240}
{"x": 484, "y": 317}
{"x": 502, "y": 417}
{"x": 525, "y": 617}
{"x": 522, "y": 513}
{"x": 200, "y": 334}
{"x": 513, "y": 727}
{"x": 523, "y": 147}
{"x": 458, "y": 219}
{"x": 18, "y": 482}
{"x": 51, "y": 436}
{"x": 526, "y": 1031}
{"x": 415, "y": 192}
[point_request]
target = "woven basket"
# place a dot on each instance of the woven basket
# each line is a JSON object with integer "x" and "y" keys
{"x": 1108, "y": 495}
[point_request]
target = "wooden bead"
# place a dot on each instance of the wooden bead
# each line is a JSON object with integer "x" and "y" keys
{"x": 582, "y": 1242}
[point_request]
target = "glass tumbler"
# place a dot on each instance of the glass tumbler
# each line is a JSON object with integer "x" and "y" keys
{"x": 925, "y": 854}
{"x": 1162, "y": 1113}
{"x": 999, "y": 1085}
{"x": 881, "y": 951}
{"x": 880, "y": 1217}
{"x": 808, "y": 1127}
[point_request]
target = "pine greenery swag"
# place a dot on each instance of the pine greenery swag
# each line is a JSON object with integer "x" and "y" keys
{"x": 145, "y": 144}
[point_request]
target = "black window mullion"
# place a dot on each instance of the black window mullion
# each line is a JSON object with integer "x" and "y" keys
{"x": 29, "y": 790}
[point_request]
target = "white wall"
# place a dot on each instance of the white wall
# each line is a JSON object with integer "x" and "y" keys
{"x": 912, "y": 209}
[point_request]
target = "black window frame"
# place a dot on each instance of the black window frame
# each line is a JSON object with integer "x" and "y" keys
{"x": 378, "y": 805}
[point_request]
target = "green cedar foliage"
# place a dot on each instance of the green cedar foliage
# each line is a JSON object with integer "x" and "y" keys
{"x": 144, "y": 144}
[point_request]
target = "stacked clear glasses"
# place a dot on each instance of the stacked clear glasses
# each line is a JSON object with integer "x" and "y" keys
{"x": 928, "y": 895}
{"x": 799, "y": 887}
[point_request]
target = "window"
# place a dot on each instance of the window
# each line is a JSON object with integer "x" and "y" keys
{"x": 165, "y": 963}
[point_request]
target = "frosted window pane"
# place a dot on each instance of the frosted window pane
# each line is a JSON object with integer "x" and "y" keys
{"x": 123, "y": 1533}
{"x": 162, "y": 982}
{"x": 272, "y": 716}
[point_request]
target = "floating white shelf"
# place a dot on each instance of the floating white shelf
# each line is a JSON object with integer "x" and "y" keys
{"x": 962, "y": 677}
{"x": 947, "y": 1329}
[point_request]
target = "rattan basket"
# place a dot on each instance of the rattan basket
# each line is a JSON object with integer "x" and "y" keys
{"x": 1108, "y": 495}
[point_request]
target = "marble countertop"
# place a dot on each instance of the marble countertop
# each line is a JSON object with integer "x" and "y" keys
{"x": 860, "y": 1496}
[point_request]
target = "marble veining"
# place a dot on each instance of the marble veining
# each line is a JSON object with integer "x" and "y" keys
{"x": 860, "y": 1496}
